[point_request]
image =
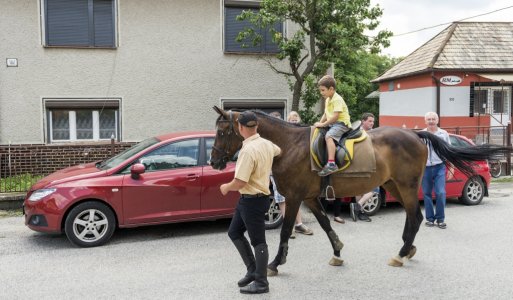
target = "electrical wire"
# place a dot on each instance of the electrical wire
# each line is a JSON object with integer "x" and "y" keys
{"x": 447, "y": 23}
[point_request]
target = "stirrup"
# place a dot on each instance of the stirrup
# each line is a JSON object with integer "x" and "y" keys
{"x": 328, "y": 188}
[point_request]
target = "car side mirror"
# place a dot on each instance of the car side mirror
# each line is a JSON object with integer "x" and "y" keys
{"x": 136, "y": 170}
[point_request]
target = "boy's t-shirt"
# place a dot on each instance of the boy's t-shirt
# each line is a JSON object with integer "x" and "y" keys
{"x": 334, "y": 104}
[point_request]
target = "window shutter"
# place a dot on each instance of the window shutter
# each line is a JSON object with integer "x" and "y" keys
{"x": 67, "y": 23}
{"x": 269, "y": 46}
{"x": 232, "y": 28}
{"x": 103, "y": 23}
{"x": 471, "y": 101}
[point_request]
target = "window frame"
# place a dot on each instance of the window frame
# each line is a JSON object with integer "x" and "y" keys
{"x": 490, "y": 100}
{"x": 262, "y": 47}
{"x": 43, "y": 4}
{"x": 267, "y": 105}
{"x": 72, "y": 105}
{"x": 479, "y": 101}
{"x": 198, "y": 142}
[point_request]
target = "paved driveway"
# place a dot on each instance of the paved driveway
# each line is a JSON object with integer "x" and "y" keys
{"x": 470, "y": 259}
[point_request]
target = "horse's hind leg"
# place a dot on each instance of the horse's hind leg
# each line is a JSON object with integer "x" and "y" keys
{"x": 291, "y": 210}
{"x": 319, "y": 213}
{"x": 407, "y": 196}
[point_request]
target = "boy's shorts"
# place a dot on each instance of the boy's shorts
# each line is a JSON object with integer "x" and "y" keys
{"x": 376, "y": 190}
{"x": 278, "y": 198}
{"x": 337, "y": 130}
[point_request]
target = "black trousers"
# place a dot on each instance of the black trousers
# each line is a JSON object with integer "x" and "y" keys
{"x": 250, "y": 215}
{"x": 337, "y": 206}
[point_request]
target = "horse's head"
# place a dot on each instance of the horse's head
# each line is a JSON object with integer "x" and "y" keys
{"x": 228, "y": 139}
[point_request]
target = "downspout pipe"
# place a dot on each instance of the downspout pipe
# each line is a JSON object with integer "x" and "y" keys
{"x": 437, "y": 82}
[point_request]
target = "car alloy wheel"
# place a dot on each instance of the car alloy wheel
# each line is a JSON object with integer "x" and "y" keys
{"x": 273, "y": 217}
{"x": 473, "y": 191}
{"x": 372, "y": 206}
{"x": 90, "y": 224}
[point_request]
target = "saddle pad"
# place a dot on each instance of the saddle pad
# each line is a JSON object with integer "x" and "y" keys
{"x": 363, "y": 164}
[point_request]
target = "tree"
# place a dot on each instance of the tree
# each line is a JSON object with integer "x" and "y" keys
{"x": 354, "y": 73}
{"x": 327, "y": 30}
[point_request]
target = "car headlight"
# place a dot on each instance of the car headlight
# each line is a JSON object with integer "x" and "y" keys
{"x": 40, "y": 194}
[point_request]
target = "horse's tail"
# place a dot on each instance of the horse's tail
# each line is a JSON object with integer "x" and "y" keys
{"x": 461, "y": 157}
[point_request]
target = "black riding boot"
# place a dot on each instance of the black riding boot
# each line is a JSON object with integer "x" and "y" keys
{"x": 248, "y": 258}
{"x": 260, "y": 285}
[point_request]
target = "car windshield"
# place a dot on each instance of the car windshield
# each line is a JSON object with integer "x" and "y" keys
{"x": 121, "y": 157}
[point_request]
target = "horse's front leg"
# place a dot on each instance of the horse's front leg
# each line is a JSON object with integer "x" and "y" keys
{"x": 315, "y": 206}
{"x": 291, "y": 210}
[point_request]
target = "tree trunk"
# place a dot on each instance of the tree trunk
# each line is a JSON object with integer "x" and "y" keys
{"x": 296, "y": 95}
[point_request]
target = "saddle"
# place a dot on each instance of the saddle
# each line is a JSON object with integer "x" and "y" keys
{"x": 344, "y": 155}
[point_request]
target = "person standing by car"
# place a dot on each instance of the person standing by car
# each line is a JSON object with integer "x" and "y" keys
{"x": 251, "y": 179}
{"x": 356, "y": 208}
{"x": 279, "y": 198}
{"x": 434, "y": 176}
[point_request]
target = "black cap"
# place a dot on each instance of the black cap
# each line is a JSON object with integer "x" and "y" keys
{"x": 248, "y": 119}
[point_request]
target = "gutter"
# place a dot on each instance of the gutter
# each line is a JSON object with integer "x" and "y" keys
{"x": 437, "y": 82}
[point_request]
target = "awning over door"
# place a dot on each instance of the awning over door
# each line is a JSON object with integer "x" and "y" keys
{"x": 498, "y": 77}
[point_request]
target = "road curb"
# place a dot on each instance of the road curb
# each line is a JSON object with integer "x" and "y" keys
{"x": 11, "y": 200}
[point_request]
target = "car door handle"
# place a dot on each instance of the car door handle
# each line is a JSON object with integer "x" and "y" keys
{"x": 192, "y": 176}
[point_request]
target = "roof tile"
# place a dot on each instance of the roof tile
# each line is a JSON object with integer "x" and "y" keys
{"x": 462, "y": 45}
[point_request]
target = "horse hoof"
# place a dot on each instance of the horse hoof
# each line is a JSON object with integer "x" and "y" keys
{"x": 413, "y": 250}
{"x": 396, "y": 261}
{"x": 272, "y": 272}
{"x": 336, "y": 261}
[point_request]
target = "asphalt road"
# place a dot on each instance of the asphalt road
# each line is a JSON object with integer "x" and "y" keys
{"x": 471, "y": 259}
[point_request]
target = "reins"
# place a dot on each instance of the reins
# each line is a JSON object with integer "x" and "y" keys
{"x": 225, "y": 155}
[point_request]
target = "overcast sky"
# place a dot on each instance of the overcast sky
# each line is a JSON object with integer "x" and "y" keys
{"x": 401, "y": 16}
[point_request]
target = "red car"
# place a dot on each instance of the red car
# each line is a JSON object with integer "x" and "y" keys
{"x": 469, "y": 191}
{"x": 164, "y": 179}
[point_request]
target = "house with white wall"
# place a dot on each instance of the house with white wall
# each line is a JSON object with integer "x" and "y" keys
{"x": 83, "y": 71}
{"x": 464, "y": 73}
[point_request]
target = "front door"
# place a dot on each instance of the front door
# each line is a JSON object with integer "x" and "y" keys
{"x": 213, "y": 203}
{"x": 169, "y": 189}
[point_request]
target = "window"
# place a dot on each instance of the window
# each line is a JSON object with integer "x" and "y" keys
{"x": 82, "y": 120}
{"x": 79, "y": 23}
{"x": 480, "y": 101}
{"x": 391, "y": 86}
{"x": 172, "y": 156}
{"x": 209, "y": 143}
{"x": 266, "y": 106}
{"x": 458, "y": 142}
{"x": 492, "y": 100}
{"x": 232, "y": 27}
{"x": 500, "y": 102}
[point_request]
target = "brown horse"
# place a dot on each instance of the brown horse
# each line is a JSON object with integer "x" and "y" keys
{"x": 400, "y": 161}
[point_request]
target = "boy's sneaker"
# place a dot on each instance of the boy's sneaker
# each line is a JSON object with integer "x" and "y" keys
{"x": 328, "y": 169}
{"x": 353, "y": 210}
{"x": 362, "y": 216}
{"x": 303, "y": 229}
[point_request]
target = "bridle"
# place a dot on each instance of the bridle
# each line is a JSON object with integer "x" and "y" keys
{"x": 225, "y": 155}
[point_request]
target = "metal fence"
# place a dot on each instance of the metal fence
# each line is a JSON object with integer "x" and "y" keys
{"x": 497, "y": 135}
